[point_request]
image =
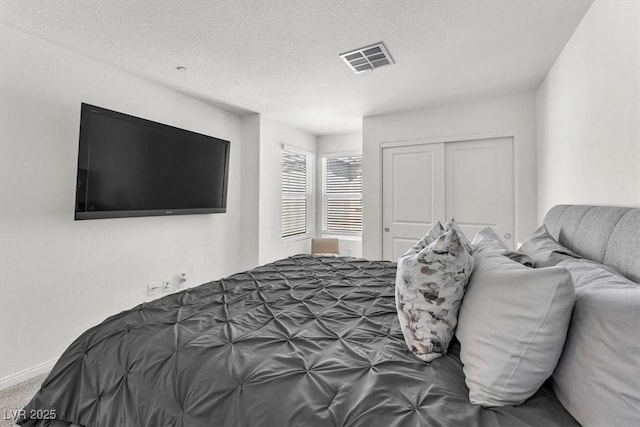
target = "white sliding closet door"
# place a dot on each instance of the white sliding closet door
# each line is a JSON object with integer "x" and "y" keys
{"x": 412, "y": 195}
{"x": 479, "y": 186}
{"x": 471, "y": 181}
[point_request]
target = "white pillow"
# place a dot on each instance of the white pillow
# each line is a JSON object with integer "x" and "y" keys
{"x": 486, "y": 240}
{"x": 429, "y": 287}
{"x": 511, "y": 327}
{"x": 544, "y": 249}
{"x": 598, "y": 376}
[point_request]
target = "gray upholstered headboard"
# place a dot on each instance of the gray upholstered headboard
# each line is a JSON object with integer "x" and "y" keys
{"x": 609, "y": 235}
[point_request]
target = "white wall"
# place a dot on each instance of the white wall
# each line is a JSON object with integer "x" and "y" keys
{"x": 250, "y": 167}
{"x": 273, "y": 135}
{"x": 351, "y": 143}
{"x": 59, "y": 276}
{"x": 588, "y": 109}
{"x": 512, "y": 115}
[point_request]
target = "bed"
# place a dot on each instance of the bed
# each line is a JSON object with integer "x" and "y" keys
{"x": 304, "y": 341}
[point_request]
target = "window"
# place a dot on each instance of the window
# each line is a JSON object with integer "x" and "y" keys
{"x": 342, "y": 195}
{"x": 296, "y": 193}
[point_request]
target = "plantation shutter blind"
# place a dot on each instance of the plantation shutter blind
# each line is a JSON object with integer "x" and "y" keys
{"x": 342, "y": 195}
{"x": 296, "y": 194}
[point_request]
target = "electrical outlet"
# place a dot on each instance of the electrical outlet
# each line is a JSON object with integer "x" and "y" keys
{"x": 153, "y": 289}
{"x": 166, "y": 286}
{"x": 183, "y": 280}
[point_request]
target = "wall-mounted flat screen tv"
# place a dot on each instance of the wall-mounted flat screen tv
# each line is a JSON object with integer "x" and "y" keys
{"x": 128, "y": 166}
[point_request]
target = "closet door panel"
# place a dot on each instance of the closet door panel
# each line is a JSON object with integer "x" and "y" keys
{"x": 479, "y": 186}
{"x": 412, "y": 195}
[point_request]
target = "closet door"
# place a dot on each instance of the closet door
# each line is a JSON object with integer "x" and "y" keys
{"x": 412, "y": 195}
{"x": 471, "y": 181}
{"x": 479, "y": 186}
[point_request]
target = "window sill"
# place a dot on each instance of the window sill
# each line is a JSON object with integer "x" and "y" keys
{"x": 343, "y": 237}
{"x": 294, "y": 239}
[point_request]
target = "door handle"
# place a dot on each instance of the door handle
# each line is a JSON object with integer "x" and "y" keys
{"x": 507, "y": 236}
{"x": 387, "y": 229}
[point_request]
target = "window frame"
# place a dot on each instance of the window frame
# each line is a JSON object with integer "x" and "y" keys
{"x": 324, "y": 231}
{"x": 308, "y": 195}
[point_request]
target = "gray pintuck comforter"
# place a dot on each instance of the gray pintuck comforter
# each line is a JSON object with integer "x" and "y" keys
{"x": 305, "y": 341}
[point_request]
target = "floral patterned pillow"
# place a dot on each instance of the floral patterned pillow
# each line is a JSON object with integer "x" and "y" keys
{"x": 453, "y": 224}
{"x": 434, "y": 232}
{"x": 430, "y": 285}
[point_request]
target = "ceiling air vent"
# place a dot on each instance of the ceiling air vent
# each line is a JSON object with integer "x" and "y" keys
{"x": 367, "y": 58}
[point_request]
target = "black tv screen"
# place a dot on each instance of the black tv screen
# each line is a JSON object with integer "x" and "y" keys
{"x": 128, "y": 166}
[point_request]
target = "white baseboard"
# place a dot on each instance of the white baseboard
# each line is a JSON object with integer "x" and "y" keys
{"x": 27, "y": 374}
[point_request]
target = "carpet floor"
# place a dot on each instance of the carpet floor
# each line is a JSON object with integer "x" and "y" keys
{"x": 16, "y": 397}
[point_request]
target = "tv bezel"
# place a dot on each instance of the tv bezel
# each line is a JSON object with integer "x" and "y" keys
{"x": 86, "y": 111}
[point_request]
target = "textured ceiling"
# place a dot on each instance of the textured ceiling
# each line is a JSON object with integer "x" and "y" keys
{"x": 280, "y": 58}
